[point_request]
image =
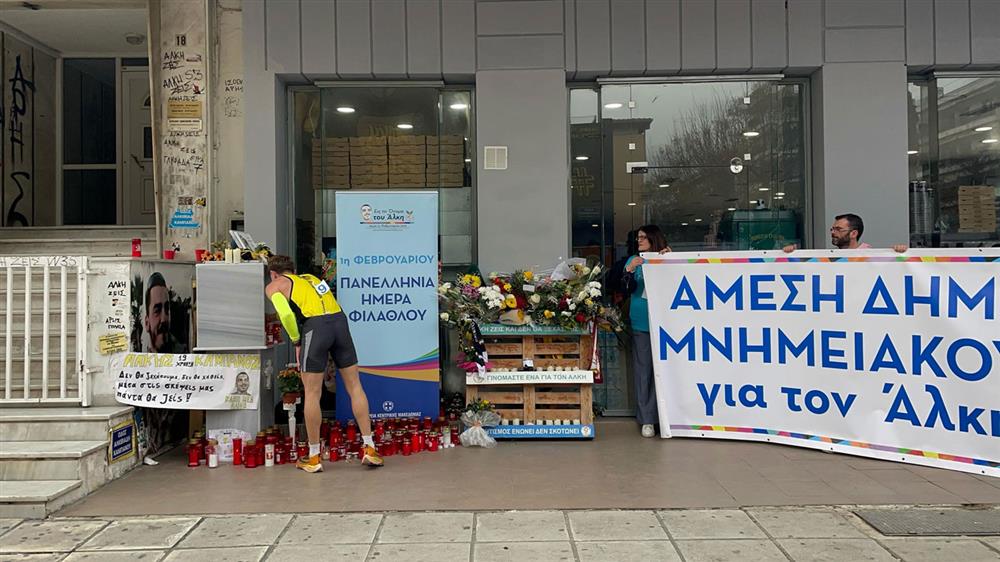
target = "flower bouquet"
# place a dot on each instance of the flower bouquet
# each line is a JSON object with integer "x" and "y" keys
{"x": 290, "y": 385}
{"x": 478, "y": 415}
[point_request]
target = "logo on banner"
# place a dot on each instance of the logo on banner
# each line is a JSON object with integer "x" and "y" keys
{"x": 382, "y": 219}
{"x": 388, "y": 406}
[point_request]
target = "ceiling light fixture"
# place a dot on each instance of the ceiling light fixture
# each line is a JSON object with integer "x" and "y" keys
{"x": 983, "y": 129}
{"x": 582, "y": 158}
{"x": 345, "y": 109}
{"x": 468, "y": 159}
{"x": 731, "y": 209}
{"x": 459, "y": 106}
{"x": 595, "y": 225}
{"x": 751, "y": 134}
{"x": 664, "y": 185}
{"x": 763, "y": 189}
{"x": 404, "y": 126}
{"x": 614, "y": 105}
{"x": 135, "y": 38}
{"x": 780, "y": 193}
{"x": 631, "y": 203}
{"x": 911, "y": 152}
{"x": 684, "y": 224}
{"x": 697, "y": 220}
{"x": 988, "y": 141}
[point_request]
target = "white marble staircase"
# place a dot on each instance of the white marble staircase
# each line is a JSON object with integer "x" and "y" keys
{"x": 104, "y": 241}
{"x": 53, "y": 456}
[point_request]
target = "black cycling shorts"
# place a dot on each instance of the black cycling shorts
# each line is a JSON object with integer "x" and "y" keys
{"x": 324, "y": 337}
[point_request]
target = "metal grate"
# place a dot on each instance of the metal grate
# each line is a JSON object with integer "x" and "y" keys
{"x": 933, "y": 521}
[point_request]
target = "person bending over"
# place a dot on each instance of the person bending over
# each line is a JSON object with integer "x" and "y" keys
{"x": 307, "y": 301}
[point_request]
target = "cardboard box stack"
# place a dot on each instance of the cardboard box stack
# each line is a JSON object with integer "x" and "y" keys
{"x": 975, "y": 207}
{"x": 446, "y": 160}
{"x": 369, "y": 162}
{"x": 407, "y": 161}
{"x": 331, "y": 165}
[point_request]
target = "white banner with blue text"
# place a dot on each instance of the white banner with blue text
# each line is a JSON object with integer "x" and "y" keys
{"x": 870, "y": 353}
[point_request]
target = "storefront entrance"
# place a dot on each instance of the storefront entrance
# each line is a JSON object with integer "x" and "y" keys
{"x": 717, "y": 165}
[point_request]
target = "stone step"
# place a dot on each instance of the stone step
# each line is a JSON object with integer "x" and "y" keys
{"x": 49, "y": 232}
{"x": 35, "y": 499}
{"x": 95, "y": 247}
{"x": 72, "y": 423}
{"x": 53, "y": 460}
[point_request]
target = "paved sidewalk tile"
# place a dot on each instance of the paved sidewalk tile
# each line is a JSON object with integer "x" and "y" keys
{"x": 615, "y": 525}
{"x": 332, "y": 528}
{"x": 728, "y": 550}
{"x": 8, "y": 524}
{"x": 711, "y": 524}
{"x": 661, "y": 551}
{"x": 937, "y": 550}
{"x": 135, "y": 534}
{"x": 806, "y": 524}
{"x": 49, "y": 536}
{"x": 426, "y": 527}
{"x": 117, "y": 556}
{"x": 242, "y": 554}
{"x": 331, "y": 552}
{"x": 425, "y": 552}
{"x": 835, "y": 550}
{"x": 523, "y": 551}
{"x": 236, "y": 531}
{"x": 992, "y": 541}
{"x": 54, "y": 557}
{"x": 521, "y": 526}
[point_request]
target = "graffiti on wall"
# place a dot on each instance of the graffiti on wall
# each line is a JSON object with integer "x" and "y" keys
{"x": 16, "y": 114}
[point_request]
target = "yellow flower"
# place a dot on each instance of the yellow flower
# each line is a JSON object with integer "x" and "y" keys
{"x": 549, "y": 314}
{"x": 503, "y": 305}
{"x": 511, "y": 301}
{"x": 476, "y": 281}
{"x": 588, "y": 302}
{"x": 506, "y": 287}
{"x": 528, "y": 276}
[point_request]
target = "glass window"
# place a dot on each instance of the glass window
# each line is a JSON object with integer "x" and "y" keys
{"x": 89, "y": 196}
{"x": 89, "y": 111}
{"x": 726, "y": 164}
{"x": 954, "y": 156}
{"x": 725, "y": 171}
{"x": 382, "y": 138}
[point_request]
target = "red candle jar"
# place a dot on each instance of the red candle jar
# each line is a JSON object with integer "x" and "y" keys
{"x": 336, "y": 437}
{"x": 427, "y": 423}
{"x": 379, "y": 430}
{"x": 407, "y": 448}
{"x": 250, "y": 455}
{"x": 334, "y": 455}
{"x": 352, "y": 430}
{"x": 303, "y": 450}
{"x": 432, "y": 444}
{"x": 415, "y": 442}
{"x": 193, "y": 456}
{"x": 279, "y": 453}
{"x": 324, "y": 430}
{"x": 237, "y": 450}
{"x": 293, "y": 452}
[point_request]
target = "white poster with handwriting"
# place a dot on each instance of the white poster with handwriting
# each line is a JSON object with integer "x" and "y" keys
{"x": 188, "y": 382}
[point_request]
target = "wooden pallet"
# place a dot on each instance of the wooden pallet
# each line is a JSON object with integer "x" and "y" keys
{"x": 534, "y": 403}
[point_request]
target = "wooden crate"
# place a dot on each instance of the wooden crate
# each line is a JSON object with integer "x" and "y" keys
{"x": 537, "y": 402}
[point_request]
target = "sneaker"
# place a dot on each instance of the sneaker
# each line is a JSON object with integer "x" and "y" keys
{"x": 312, "y": 464}
{"x": 648, "y": 430}
{"x": 371, "y": 457}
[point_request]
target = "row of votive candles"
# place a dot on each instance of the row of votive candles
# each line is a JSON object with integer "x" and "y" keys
{"x": 517, "y": 421}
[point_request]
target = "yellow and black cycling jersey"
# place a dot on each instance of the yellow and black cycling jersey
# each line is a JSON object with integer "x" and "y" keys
{"x": 310, "y": 297}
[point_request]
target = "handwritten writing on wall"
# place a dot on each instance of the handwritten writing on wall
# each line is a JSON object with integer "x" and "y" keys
{"x": 183, "y": 83}
{"x": 17, "y": 116}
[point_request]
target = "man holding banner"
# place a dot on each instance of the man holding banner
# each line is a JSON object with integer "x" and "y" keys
{"x": 325, "y": 334}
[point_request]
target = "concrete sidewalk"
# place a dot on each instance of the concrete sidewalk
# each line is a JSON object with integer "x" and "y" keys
{"x": 760, "y": 534}
{"x": 617, "y": 470}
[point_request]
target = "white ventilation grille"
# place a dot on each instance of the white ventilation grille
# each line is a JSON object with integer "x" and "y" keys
{"x": 495, "y": 158}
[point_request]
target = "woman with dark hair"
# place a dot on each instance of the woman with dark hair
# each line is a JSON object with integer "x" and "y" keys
{"x": 650, "y": 239}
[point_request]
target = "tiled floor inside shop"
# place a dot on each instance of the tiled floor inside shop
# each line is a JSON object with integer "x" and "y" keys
{"x": 617, "y": 470}
{"x": 759, "y": 534}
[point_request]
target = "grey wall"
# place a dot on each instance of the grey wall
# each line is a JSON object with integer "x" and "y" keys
{"x": 863, "y": 168}
{"x": 523, "y": 211}
{"x": 494, "y": 42}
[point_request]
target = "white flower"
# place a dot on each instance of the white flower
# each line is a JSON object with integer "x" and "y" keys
{"x": 447, "y": 286}
{"x": 572, "y": 306}
{"x": 597, "y": 269}
{"x": 535, "y": 299}
{"x": 565, "y": 313}
{"x": 586, "y": 270}
{"x": 594, "y": 285}
{"x": 595, "y": 293}
{"x": 444, "y": 316}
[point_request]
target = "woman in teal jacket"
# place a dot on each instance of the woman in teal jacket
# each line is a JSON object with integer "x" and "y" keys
{"x": 650, "y": 239}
